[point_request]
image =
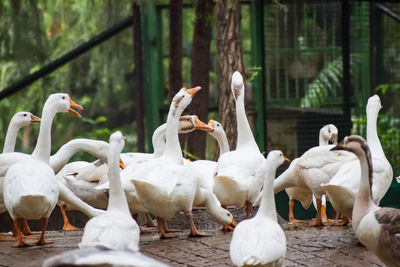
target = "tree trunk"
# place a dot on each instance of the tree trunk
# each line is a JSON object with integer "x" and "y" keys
{"x": 138, "y": 76}
{"x": 200, "y": 72}
{"x": 229, "y": 60}
{"x": 175, "y": 47}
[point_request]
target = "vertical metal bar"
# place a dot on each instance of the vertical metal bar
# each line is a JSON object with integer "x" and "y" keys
{"x": 314, "y": 33}
{"x": 365, "y": 58}
{"x": 267, "y": 56}
{"x": 305, "y": 67}
{"x": 286, "y": 54}
{"x": 257, "y": 57}
{"x": 137, "y": 46}
{"x": 325, "y": 30}
{"x": 296, "y": 47}
{"x": 153, "y": 89}
{"x": 333, "y": 52}
{"x": 277, "y": 55}
{"x": 346, "y": 82}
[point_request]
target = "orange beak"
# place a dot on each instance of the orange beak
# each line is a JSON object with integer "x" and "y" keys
{"x": 199, "y": 125}
{"x": 34, "y": 118}
{"x": 72, "y": 104}
{"x": 286, "y": 159}
{"x": 192, "y": 91}
{"x": 233, "y": 223}
{"x": 121, "y": 164}
{"x": 211, "y": 123}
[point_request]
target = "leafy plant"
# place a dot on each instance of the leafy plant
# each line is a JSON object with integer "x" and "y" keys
{"x": 325, "y": 86}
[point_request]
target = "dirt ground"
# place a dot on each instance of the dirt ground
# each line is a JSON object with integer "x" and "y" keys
{"x": 329, "y": 246}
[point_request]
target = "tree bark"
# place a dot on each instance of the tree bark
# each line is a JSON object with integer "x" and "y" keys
{"x": 229, "y": 60}
{"x": 200, "y": 72}
{"x": 138, "y": 76}
{"x": 175, "y": 47}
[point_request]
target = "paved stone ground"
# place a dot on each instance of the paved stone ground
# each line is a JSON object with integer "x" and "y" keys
{"x": 306, "y": 246}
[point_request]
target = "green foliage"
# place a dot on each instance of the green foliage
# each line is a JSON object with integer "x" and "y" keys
{"x": 325, "y": 86}
{"x": 33, "y": 33}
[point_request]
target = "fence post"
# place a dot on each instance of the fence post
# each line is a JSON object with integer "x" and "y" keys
{"x": 257, "y": 59}
{"x": 346, "y": 81}
{"x": 152, "y": 64}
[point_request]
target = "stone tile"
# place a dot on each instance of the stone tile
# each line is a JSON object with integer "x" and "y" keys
{"x": 306, "y": 246}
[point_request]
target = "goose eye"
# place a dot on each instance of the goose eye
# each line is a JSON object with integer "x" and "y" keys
{"x": 183, "y": 96}
{"x": 24, "y": 115}
{"x": 228, "y": 214}
{"x": 63, "y": 97}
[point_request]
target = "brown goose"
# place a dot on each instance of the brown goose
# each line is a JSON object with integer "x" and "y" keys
{"x": 377, "y": 228}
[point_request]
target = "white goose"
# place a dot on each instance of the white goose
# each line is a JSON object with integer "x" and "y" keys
{"x": 342, "y": 188}
{"x": 377, "y": 228}
{"x": 30, "y": 188}
{"x": 19, "y": 120}
{"x": 187, "y": 124}
{"x": 164, "y": 185}
{"x": 235, "y": 180}
{"x": 327, "y": 133}
{"x": 315, "y": 167}
{"x": 116, "y": 229}
{"x": 260, "y": 241}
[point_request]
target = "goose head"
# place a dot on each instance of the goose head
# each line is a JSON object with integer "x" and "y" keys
{"x": 374, "y": 104}
{"x": 237, "y": 85}
{"x": 189, "y": 123}
{"x": 24, "y": 118}
{"x": 275, "y": 159}
{"x": 61, "y": 102}
{"x": 217, "y": 128}
{"x": 329, "y": 133}
{"x": 225, "y": 218}
{"x": 183, "y": 98}
{"x": 118, "y": 141}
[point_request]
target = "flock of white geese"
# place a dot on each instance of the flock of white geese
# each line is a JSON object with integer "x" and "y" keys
{"x": 353, "y": 175}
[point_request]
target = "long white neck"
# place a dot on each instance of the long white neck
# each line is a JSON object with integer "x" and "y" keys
{"x": 43, "y": 145}
{"x": 244, "y": 133}
{"x": 11, "y": 137}
{"x": 117, "y": 199}
{"x": 323, "y": 140}
{"x": 286, "y": 179}
{"x": 213, "y": 206}
{"x": 69, "y": 197}
{"x": 363, "y": 202}
{"x": 59, "y": 159}
{"x": 372, "y": 134}
{"x": 158, "y": 140}
{"x": 267, "y": 206}
{"x": 172, "y": 147}
{"x": 222, "y": 142}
